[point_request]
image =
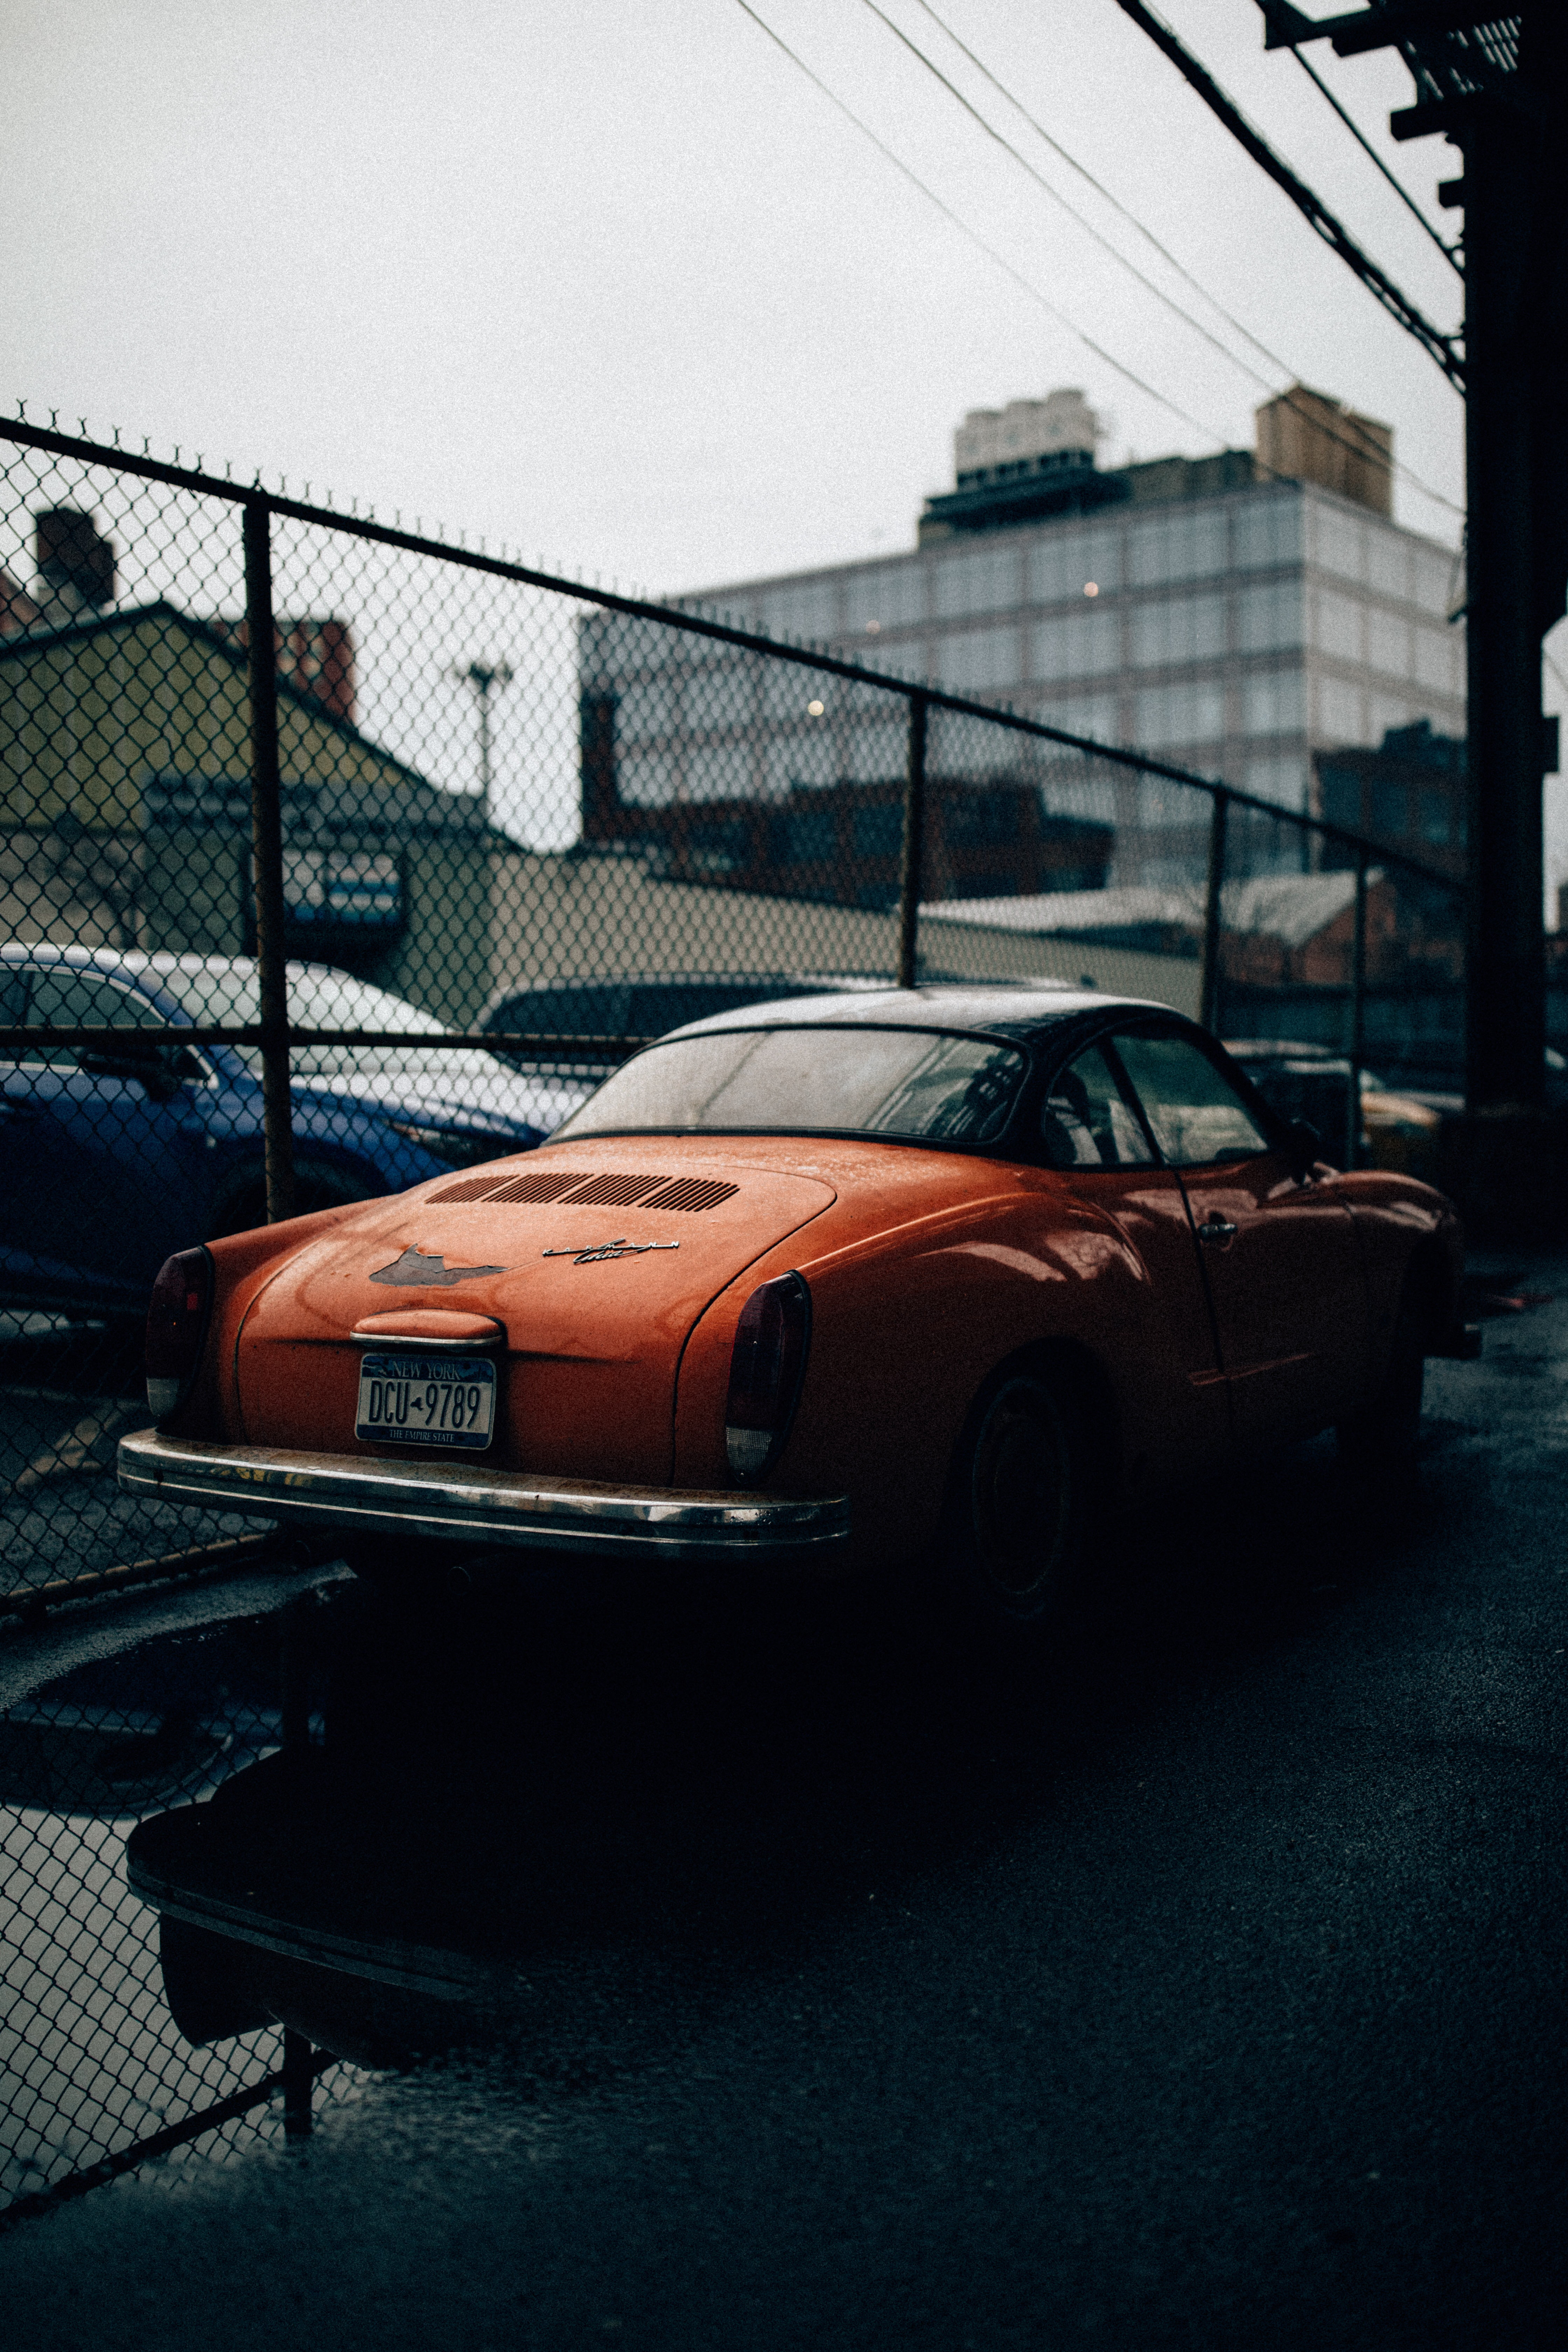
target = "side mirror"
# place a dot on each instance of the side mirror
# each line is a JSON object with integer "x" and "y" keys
{"x": 1303, "y": 1147}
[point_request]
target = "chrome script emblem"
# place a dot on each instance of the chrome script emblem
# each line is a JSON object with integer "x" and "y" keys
{"x": 601, "y": 1249}
{"x": 415, "y": 1270}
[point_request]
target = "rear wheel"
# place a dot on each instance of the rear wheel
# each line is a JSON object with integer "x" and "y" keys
{"x": 1017, "y": 1508}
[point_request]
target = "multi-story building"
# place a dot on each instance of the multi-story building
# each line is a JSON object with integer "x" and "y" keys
{"x": 1235, "y": 615}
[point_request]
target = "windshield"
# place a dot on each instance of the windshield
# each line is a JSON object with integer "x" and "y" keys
{"x": 826, "y": 1081}
{"x": 224, "y": 994}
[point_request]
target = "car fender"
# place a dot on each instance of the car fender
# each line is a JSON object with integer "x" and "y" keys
{"x": 906, "y": 1326}
{"x": 243, "y": 1264}
{"x": 1406, "y": 1231}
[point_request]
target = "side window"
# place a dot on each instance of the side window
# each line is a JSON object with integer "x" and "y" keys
{"x": 1085, "y": 1122}
{"x": 82, "y": 1000}
{"x": 1195, "y": 1113}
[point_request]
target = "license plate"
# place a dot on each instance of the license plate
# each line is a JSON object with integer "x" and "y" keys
{"x": 411, "y": 1400}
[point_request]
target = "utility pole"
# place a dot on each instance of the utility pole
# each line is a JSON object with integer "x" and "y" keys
{"x": 484, "y": 677}
{"x": 1496, "y": 88}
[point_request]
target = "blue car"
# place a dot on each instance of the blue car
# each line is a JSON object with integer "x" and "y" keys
{"x": 110, "y": 1160}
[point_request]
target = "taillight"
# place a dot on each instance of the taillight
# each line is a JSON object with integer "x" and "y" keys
{"x": 765, "y": 1373}
{"x": 176, "y": 1326}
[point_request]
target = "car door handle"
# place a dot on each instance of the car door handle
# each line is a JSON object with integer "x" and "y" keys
{"x": 1217, "y": 1231}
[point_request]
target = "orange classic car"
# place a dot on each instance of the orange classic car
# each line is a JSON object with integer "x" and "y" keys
{"x": 852, "y": 1279}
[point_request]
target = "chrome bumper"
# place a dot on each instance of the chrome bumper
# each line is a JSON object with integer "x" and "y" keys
{"x": 465, "y": 1504}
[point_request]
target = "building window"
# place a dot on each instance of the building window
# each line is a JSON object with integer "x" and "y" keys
{"x": 981, "y": 819}
{"x": 1436, "y": 578}
{"x": 1178, "y": 629}
{"x": 1279, "y": 777}
{"x": 1388, "y": 565}
{"x": 646, "y": 779}
{"x": 1339, "y": 795}
{"x": 1340, "y": 717}
{"x": 1270, "y": 616}
{"x": 1064, "y": 564}
{"x": 1338, "y": 630}
{"x": 787, "y": 762}
{"x": 873, "y": 754}
{"x": 1385, "y": 713}
{"x": 1388, "y": 642}
{"x": 1439, "y": 659}
{"x": 1339, "y": 544}
{"x": 788, "y": 692}
{"x": 1188, "y": 713}
{"x": 647, "y": 707}
{"x": 989, "y": 581}
{"x": 1268, "y": 531}
{"x": 1086, "y": 643}
{"x": 720, "y": 848}
{"x": 1164, "y": 807}
{"x": 893, "y": 596}
{"x": 1187, "y": 543}
{"x": 879, "y": 832}
{"x": 810, "y": 610}
{"x": 1097, "y": 715}
{"x": 980, "y": 660}
{"x": 805, "y": 838}
{"x": 1390, "y": 808}
{"x": 1437, "y": 820}
{"x": 720, "y": 697}
{"x": 721, "y": 771}
{"x": 1272, "y": 703}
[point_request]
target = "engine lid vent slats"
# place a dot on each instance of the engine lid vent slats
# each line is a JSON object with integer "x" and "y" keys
{"x": 615, "y": 1191}
{"x": 692, "y": 1192}
{"x": 580, "y": 1188}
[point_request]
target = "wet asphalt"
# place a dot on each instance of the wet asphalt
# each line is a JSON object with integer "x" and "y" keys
{"x": 1200, "y": 1986}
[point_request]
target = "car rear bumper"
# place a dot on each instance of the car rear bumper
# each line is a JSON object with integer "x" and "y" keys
{"x": 467, "y": 1504}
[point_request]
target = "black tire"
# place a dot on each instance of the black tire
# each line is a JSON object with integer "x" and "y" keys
{"x": 1382, "y": 1441}
{"x": 1017, "y": 1505}
{"x": 207, "y": 1983}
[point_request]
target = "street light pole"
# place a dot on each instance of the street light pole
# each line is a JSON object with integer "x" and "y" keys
{"x": 484, "y": 676}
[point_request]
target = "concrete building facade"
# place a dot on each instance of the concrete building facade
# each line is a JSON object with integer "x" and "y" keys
{"x": 1215, "y": 612}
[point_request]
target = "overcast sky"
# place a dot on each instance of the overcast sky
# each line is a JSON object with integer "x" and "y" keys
{"x": 612, "y": 281}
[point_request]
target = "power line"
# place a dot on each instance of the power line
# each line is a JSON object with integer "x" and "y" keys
{"x": 974, "y": 236}
{"x": 1284, "y": 392}
{"x": 1400, "y": 190}
{"x": 1071, "y": 210}
{"x": 1333, "y": 233}
{"x": 1102, "y": 190}
{"x": 1052, "y": 309}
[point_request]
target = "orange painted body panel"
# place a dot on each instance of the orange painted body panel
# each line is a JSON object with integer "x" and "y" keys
{"x": 592, "y": 1348}
{"x": 926, "y": 1269}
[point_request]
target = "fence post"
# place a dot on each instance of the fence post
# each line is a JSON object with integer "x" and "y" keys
{"x": 298, "y": 2069}
{"x": 1358, "y": 1015}
{"x": 913, "y": 863}
{"x": 266, "y": 861}
{"x": 1209, "y": 978}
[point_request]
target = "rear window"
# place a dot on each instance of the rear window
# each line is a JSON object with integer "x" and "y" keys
{"x": 914, "y": 1083}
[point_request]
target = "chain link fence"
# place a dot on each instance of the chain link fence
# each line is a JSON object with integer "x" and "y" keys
{"x": 333, "y": 857}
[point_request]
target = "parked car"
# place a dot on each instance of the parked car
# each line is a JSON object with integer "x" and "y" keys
{"x": 816, "y": 1279}
{"x": 1396, "y": 1129}
{"x": 642, "y": 1004}
{"x": 113, "y": 1159}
